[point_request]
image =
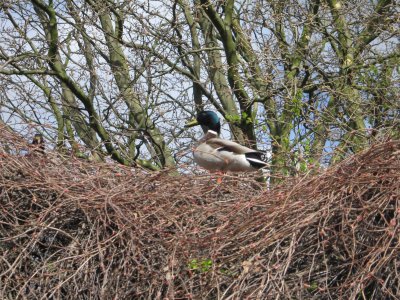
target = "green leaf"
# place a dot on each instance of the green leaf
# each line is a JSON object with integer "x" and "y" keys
{"x": 233, "y": 119}
{"x": 201, "y": 266}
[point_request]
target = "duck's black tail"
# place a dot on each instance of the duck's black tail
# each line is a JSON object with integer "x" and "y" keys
{"x": 257, "y": 159}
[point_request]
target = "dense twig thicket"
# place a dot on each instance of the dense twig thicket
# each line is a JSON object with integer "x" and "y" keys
{"x": 72, "y": 229}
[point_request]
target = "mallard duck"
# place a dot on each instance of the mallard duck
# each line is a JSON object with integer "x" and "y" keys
{"x": 216, "y": 154}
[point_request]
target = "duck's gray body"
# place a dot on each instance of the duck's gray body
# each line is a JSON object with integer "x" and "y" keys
{"x": 216, "y": 154}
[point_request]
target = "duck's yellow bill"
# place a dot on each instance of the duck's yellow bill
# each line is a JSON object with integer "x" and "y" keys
{"x": 191, "y": 123}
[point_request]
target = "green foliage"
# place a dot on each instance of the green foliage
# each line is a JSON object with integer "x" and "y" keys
{"x": 313, "y": 287}
{"x": 297, "y": 103}
{"x": 238, "y": 120}
{"x": 233, "y": 119}
{"x": 200, "y": 265}
{"x": 246, "y": 119}
{"x": 307, "y": 156}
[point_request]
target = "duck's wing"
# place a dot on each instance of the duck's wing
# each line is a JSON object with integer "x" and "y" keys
{"x": 225, "y": 145}
{"x": 255, "y": 158}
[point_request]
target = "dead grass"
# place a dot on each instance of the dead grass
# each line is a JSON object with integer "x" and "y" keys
{"x": 71, "y": 229}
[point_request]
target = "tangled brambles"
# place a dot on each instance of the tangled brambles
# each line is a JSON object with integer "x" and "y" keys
{"x": 71, "y": 229}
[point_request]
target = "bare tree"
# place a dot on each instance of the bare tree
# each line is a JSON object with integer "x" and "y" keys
{"x": 296, "y": 78}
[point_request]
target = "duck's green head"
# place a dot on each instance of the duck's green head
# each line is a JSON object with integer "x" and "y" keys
{"x": 208, "y": 119}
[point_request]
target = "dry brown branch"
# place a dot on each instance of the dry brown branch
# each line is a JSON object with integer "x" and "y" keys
{"x": 71, "y": 229}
